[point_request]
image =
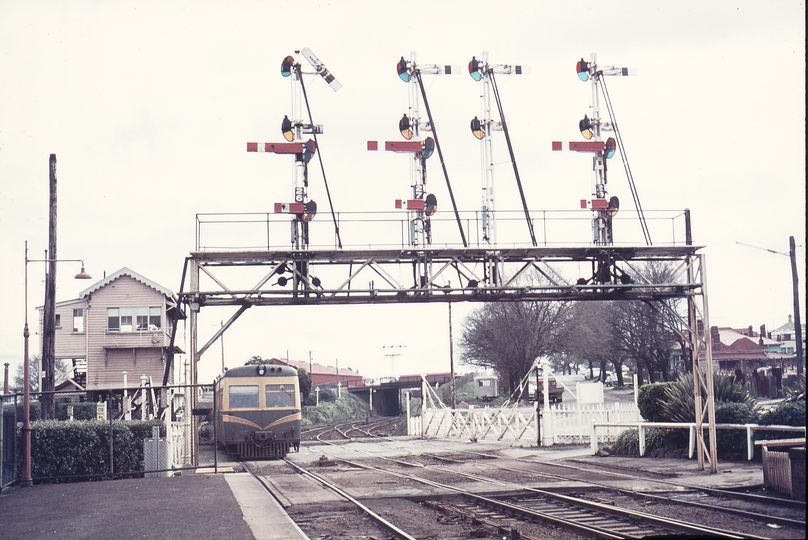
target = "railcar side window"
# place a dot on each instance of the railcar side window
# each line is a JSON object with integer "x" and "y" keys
{"x": 243, "y": 396}
{"x": 280, "y": 395}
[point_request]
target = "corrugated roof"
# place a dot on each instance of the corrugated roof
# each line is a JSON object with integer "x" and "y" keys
{"x": 126, "y": 272}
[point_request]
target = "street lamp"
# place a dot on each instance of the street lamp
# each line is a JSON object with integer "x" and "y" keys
{"x": 26, "y": 393}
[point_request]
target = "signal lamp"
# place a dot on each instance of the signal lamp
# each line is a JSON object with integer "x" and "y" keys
{"x": 282, "y": 281}
{"x": 614, "y": 206}
{"x": 473, "y": 284}
{"x": 585, "y": 126}
{"x": 582, "y": 68}
{"x": 309, "y": 210}
{"x": 286, "y": 66}
{"x": 611, "y": 146}
{"x": 431, "y": 205}
{"x": 401, "y": 68}
{"x": 474, "y": 69}
{"x": 477, "y": 128}
{"x": 309, "y": 147}
{"x": 286, "y": 129}
{"x": 316, "y": 281}
{"x": 404, "y": 127}
{"x": 429, "y": 148}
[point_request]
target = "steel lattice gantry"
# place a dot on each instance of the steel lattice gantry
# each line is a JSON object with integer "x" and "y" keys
{"x": 318, "y": 277}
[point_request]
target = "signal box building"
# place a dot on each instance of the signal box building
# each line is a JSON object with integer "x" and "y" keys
{"x": 122, "y": 323}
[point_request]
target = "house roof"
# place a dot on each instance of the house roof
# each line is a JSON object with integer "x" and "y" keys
{"x": 317, "y": 369}
{"x": 126, "y": 272}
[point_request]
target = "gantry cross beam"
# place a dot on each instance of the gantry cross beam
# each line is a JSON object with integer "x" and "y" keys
{"x": 295, "y": 277}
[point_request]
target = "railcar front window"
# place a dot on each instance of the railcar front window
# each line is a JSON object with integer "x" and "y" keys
{"x": 280, "y": 395}
{"x": 243, "y": 397}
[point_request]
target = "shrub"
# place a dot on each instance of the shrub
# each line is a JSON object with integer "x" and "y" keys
{"x": 348, "y": 407}
{"x": 628, "y": 442}
{"x": 76, "y": 451}
{"x": 81, "y": 411}
{"x": 733, "y": 440}
{"x": 649, "y": 400}
{"x": 678, "y": 404}
{"x": 789, "y": 413}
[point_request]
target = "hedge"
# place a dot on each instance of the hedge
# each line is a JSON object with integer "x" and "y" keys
{"x": 79, "y": 450}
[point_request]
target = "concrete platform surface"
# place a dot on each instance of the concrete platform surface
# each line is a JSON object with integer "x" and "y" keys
{"x": 188, "y": 507}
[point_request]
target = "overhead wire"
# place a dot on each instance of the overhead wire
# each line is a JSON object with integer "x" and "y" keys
{"x": 626, "y": 166}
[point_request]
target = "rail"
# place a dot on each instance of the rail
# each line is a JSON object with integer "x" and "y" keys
{"x": 642, "y": 426}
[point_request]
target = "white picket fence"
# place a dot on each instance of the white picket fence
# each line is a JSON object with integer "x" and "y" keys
{"x": 560, "y": 423}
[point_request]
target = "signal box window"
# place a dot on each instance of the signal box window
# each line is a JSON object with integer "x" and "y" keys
{"x": 280, "y": 395}
{"x": 243, "y": 397}
{"x": 78, "y": 320}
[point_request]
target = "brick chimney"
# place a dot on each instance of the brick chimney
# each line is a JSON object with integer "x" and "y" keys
{"x": 750, "y": 332}
{"x": 716, "y": 338}
{"x": 762, "y": 334}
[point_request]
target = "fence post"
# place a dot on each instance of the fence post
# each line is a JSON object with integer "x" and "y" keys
{"x": 642, "y": 440}
{"x": 750, "y": 444}
{"x": 593, "y": 442}
{"x": 111, "y": 444}
{"x": 691, "y": 443}
{"x": 215, "y": 437}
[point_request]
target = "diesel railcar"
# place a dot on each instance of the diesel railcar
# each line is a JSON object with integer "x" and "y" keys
{"x": 257, "y": 411}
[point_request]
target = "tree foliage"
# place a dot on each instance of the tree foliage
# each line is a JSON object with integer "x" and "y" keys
{"x": 508, "y": 337}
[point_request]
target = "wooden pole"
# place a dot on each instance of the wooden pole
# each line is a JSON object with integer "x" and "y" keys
{"x": 49, "y": 311}
{"x": 796, "y": 290}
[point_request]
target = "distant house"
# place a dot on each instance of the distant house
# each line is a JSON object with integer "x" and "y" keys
{"x": 321, "y": 374}
{"x": 751, "y": 357}
{"x": 122, "y": 323}
{"x": 786, "y": 336}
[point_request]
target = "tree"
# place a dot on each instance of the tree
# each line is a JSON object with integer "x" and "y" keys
{"x": 508, "y": 337}
{"x": 33, "y": 376}
{"x": 305, "y": 383}
{"x": 589, "y": 336}
{"x": 641, "y": 331}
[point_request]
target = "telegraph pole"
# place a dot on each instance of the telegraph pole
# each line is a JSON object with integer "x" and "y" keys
{"x": 49, "y": 311}
{"x": 792, "y": 255}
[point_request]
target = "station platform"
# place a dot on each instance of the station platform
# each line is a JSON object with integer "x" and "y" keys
{"x": 187, "y": 507}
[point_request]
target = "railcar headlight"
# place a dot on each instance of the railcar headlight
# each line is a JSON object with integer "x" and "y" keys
{"x": 262, "y": 369}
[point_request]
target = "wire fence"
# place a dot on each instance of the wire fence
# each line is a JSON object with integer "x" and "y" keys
{"x": 136, "y": 432}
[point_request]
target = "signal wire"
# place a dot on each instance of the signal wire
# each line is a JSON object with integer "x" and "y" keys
{"x": 513, "y": 158}
{"x": 320, "y": 158}
{"x": 622, "y": 148}
{"x": 440, "y": 154}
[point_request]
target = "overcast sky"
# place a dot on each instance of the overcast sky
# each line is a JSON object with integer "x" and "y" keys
{"x": 148, "y": 106}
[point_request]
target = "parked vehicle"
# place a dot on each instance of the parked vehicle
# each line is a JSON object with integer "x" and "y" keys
{"x": 537, "y": 394}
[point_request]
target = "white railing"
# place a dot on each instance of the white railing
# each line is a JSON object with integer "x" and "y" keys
{"x": 567, "y": 423}
{"x": 643, "y": 426}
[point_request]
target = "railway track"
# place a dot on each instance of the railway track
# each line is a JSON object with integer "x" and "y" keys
{"x": 727, "y": 499}
{"x": 349, "y": 431}
{"x": 601, "y": 510}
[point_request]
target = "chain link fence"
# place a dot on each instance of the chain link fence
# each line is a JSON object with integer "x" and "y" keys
{"x": 136, "y": 432}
